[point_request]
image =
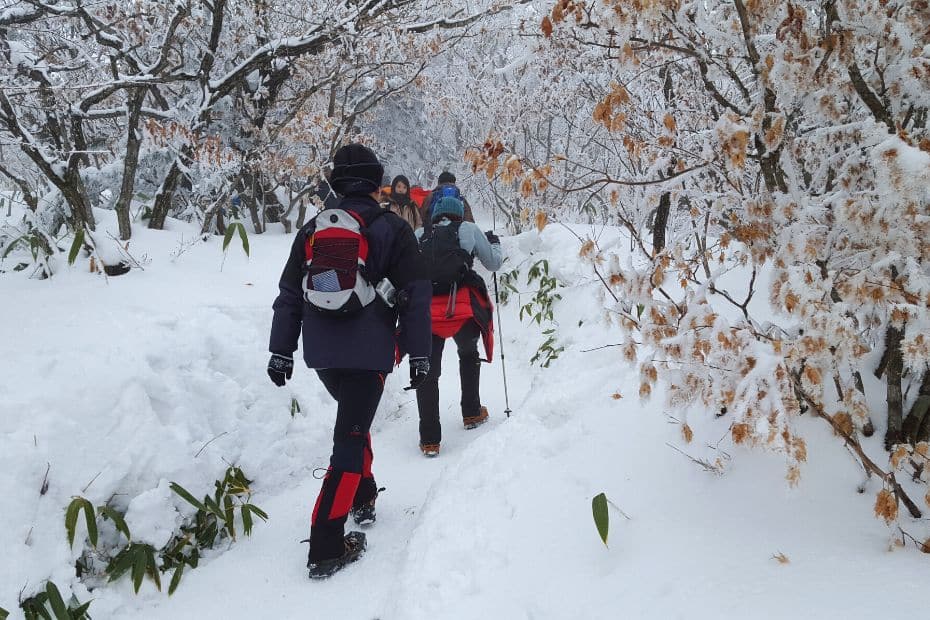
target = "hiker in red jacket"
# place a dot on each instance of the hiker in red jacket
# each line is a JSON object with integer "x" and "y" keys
{"x": 461, "y": 310}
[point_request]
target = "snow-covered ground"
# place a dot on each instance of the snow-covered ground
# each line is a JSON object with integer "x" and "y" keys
{"x": 118, "y": 386}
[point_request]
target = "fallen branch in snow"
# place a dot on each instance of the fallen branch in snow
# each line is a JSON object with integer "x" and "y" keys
{"x": 84, "y": 490}
{"x": 923, "y": 546}
{"x": 713, "y": 468}
{"x": 209, "y": 442}
{"x": 44, "y": 488}
{"x": 853, "y": 443}
{"x": 618, "y": 509}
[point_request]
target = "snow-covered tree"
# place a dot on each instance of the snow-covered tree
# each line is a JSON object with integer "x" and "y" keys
{"x": 771, "y": 163}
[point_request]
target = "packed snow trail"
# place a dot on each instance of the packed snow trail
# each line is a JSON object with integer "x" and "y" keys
{"x": 123, "y": 385}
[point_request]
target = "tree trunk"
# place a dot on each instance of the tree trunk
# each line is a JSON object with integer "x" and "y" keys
{"x": 133, "y": 142}
{"x": 165, "y": 195}
{"x": 660, "y": 223}
{"x": 917, "y": 414}
{"x": 82, "y": 214}
{"x": 302, "y": 213}
{"x": 893, "y": 371}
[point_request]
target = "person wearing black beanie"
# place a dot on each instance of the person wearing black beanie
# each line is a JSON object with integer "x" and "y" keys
{"x": 367, "y": 259}
{"x": 356, "y": 170}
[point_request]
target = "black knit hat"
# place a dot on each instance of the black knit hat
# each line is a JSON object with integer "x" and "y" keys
{"x": 356, "y": 170}
{"x": 446, "y": 177}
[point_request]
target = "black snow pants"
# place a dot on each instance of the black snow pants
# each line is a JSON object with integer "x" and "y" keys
{"x": 466, "y": 339}
{"x": 349, "y": 481}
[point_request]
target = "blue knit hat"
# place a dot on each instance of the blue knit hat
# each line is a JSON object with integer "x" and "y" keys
{"x": 449, "y": 207}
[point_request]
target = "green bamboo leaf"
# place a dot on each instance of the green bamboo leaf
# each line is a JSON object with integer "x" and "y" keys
{"x": 117, "y": 518}
{"x": 230, "y": 230}
{"x": 34, "y": 607}
{"x": 175, "y": 579}
{"x": 138, "y": 567}
{"x": 57, "y": 603}
{"x": 601, "y": 517}
{"x": 76, "y": 245}
{"x": 261, "y": 514}
{"x": 213, "y": 506}
{"x": 230, "y": 516}
{"x": 185, "y": 494}
{"x": 246, "y": 519}
{"x": 4, "y": 614}
{"x": 151, "y": 567}
{"x": 121, "y": 563}
{"x": 245, "y": 238}
{"x": 91, "y": 519}
{"x": 71, "y": 516}
{"x": 295, "y": 406}
{"x": 79, "y": 613}
{"x": 9, "y": 249}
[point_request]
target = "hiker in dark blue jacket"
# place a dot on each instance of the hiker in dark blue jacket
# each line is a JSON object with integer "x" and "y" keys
{"x": 353, "y": 352}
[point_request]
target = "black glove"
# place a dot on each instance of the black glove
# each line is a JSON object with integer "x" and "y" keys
{"x": 419, "y": 368}
{"x": 280, "y": 369}
{"x": 492, "y": 238}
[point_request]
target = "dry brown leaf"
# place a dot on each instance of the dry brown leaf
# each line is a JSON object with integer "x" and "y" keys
{"x": 586, "y": 248}
{"x": 541, "y": 220}
{"x": 687, "y": 433}
{"x": 740, "y": 432}
{"x": 886, "y": 506}
{"x": 547, "y": 26}
{"x": 843, "y": 424}
{"x": 898, "y": 456}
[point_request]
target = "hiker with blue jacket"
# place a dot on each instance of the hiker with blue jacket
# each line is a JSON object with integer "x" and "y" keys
{"x": 353, "y": 286}
{"x": 460, "y": 309}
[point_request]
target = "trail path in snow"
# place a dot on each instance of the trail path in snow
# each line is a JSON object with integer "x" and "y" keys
{"x": 132, "y": 377}
{"x": 264, "y": 576}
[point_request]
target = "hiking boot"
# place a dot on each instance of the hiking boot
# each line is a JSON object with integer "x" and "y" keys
{"x": 364, "y": 514}
{"x": 355, "y": 547}
{"x": 429, "y": 449}
{"x": 476, "y": 420}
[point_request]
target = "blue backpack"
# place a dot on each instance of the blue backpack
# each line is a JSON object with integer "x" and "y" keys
{"x": 439, "y": 193}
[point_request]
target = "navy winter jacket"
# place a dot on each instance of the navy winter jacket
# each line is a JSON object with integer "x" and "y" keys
{"x": 365, "y": 340}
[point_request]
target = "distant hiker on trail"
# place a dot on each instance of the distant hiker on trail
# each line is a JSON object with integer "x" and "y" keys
{"x": 461, "y": 309}
{"x": 445, "y": 187}
{"x": 354, "y": 271}
{"x": 402, "y": 204}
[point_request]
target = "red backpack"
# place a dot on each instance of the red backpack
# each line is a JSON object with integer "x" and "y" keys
{"x": 337, "y": 280}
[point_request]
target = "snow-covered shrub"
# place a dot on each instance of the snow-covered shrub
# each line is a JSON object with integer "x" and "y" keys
{"x": 770, "y": 162}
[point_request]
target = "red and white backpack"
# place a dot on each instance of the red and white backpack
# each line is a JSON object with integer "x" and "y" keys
{"x": 336, "y": 279}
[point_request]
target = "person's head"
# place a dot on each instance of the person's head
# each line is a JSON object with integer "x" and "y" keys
{"x": 400, "y": 186}
{"x": 356, "y": 171}
{"x": 446, "y": 177}
{"x": 449, "y": 207}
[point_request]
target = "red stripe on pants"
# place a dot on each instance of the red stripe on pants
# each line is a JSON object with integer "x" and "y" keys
{"x": 345, "y": 495}
{"x": 368, "y": 459}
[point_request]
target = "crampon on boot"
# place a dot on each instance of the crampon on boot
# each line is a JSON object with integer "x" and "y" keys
{"x": 476, "y": 420}
{"x": 355, "y": 547}
{"x": 364, "y": 514}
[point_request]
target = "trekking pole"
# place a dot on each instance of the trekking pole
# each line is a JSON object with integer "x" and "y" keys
{"x": 501, "y": 332}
